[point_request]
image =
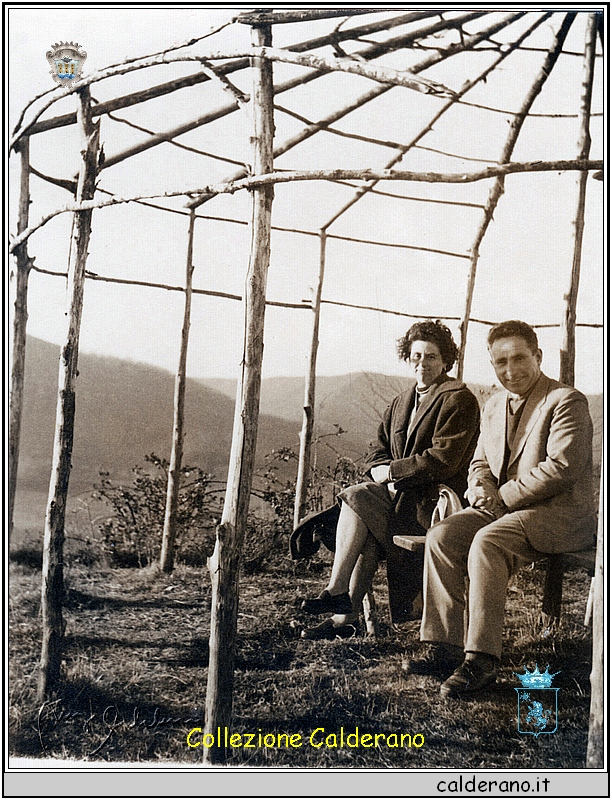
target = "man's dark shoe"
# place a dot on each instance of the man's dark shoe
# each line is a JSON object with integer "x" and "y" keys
{"x": 437, "y": 659}
{"x": 326, "y": 603}
{"x": 468, "y": 680}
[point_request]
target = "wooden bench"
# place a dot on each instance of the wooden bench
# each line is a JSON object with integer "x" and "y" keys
{"x": 553, "y": 582}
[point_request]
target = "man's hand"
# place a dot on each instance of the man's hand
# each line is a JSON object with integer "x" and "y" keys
{"x": 478, "y": 492}
{"x": 380, "y": 474}
{"x": 485, "y": 497}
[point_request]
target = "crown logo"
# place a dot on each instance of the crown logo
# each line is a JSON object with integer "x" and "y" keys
{"x": 66, "y": 60}
{"x": 536, "y": 679}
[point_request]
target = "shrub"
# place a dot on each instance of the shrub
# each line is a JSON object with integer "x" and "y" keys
{"x": 132, "y": 535}
{"x": 275, "y": 485}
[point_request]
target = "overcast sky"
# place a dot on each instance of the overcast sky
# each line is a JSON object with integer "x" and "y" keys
{"x": 525, "y": 258}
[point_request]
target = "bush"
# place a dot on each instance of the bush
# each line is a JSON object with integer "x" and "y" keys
{"x": 132, "y": 535}
{"x": 273, "y": 518}
{"x": 273, "y": 485}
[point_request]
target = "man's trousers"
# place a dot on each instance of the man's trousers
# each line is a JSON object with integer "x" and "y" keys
{"x": 468, "y": 544}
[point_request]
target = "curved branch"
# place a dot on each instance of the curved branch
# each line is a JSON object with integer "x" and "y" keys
{"x": 371, "y": 52}
{"x": 377, "y": 73}
{"x": 190, "y": 80}
{"x": 381, "y": 74}
{"x": 100, "y": 75}
{"x": 272, "y": 178}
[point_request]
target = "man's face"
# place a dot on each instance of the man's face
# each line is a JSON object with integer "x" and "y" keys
{"x": 516, "y": 366}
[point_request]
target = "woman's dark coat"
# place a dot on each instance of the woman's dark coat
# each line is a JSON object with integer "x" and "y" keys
{"x": 437, "y": 449}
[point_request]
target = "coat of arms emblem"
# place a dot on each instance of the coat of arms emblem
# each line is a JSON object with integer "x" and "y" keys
{"x": 66, "y": 60}
{"x": 537, "y": 702}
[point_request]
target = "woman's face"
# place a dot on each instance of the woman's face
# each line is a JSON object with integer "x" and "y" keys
{"x": 426, "y": 363}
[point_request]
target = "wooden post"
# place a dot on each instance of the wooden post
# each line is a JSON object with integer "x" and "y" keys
{"x": 303, "y": 473}
{"x": 595, "y": 747}
{"x": 166, "y": 560}
{"x": 553, "y": 584}
{"x": 52, "y": 570}
{"x": 23, "y": 264}
{"x": 567, "y": 353}
{"x": 497, "y": 189}
{"x": 224, "y": 563}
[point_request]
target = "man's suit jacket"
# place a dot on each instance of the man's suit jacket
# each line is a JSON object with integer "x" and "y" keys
{"x": 549, "y": 471}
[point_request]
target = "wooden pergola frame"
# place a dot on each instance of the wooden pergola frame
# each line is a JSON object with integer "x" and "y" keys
{"x": 260, "y": 183}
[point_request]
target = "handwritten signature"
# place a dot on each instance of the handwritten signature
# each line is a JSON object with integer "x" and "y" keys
{"x": 103, "y": 725}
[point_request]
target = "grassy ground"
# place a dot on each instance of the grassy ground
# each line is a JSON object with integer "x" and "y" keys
{"x": 134, "y": 677}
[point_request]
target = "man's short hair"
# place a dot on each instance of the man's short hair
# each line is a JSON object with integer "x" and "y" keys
{"x": 513, "y": 327}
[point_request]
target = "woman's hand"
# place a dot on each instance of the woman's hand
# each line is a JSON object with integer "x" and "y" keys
{"x": 380, "y": 474}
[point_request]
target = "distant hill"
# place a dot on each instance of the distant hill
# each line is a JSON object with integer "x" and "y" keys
{"x": 125, "y": 410}
{"x": 355, "y": 401}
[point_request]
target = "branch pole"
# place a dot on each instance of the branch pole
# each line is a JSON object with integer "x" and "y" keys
{"x": 498, "y": 188}
{"x": 595, "y": 746}
{"x": 53, "y": 544}
{"x": 166, "y": 561}
{"x": 370, "y": 616}
{"x": 199, "y": 77}
{"x": 23, "y": 265}
{"x": 303, "y": 473}
{"x": 375, "y": 72}
{"x": 285, "y": 17}
{"x": 224, "y": 564}
{"x": 334, "y": 175}
{"x": 567, "y": 355}
{"x": 403, "y": 149}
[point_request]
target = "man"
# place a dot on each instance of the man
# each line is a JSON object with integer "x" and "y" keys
{"x": 530, "y": 493}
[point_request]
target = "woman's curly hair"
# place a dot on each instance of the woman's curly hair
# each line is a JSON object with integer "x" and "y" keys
{"x": 430, "y": 331}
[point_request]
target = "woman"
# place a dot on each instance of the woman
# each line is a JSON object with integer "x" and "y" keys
{"x": 427, "y": 438}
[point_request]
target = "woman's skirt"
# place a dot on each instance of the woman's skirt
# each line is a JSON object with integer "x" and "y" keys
{"x": 373, "y": 504}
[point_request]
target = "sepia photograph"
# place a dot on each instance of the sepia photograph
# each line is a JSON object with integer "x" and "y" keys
{"x": 306, "y": 344}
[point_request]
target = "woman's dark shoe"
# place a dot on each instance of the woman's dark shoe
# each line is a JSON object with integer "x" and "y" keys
{"x": 327, "y": 630}
{"x": 326, "y": 603}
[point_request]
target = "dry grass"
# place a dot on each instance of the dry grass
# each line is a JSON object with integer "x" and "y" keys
{"x": 134, "y": 677}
